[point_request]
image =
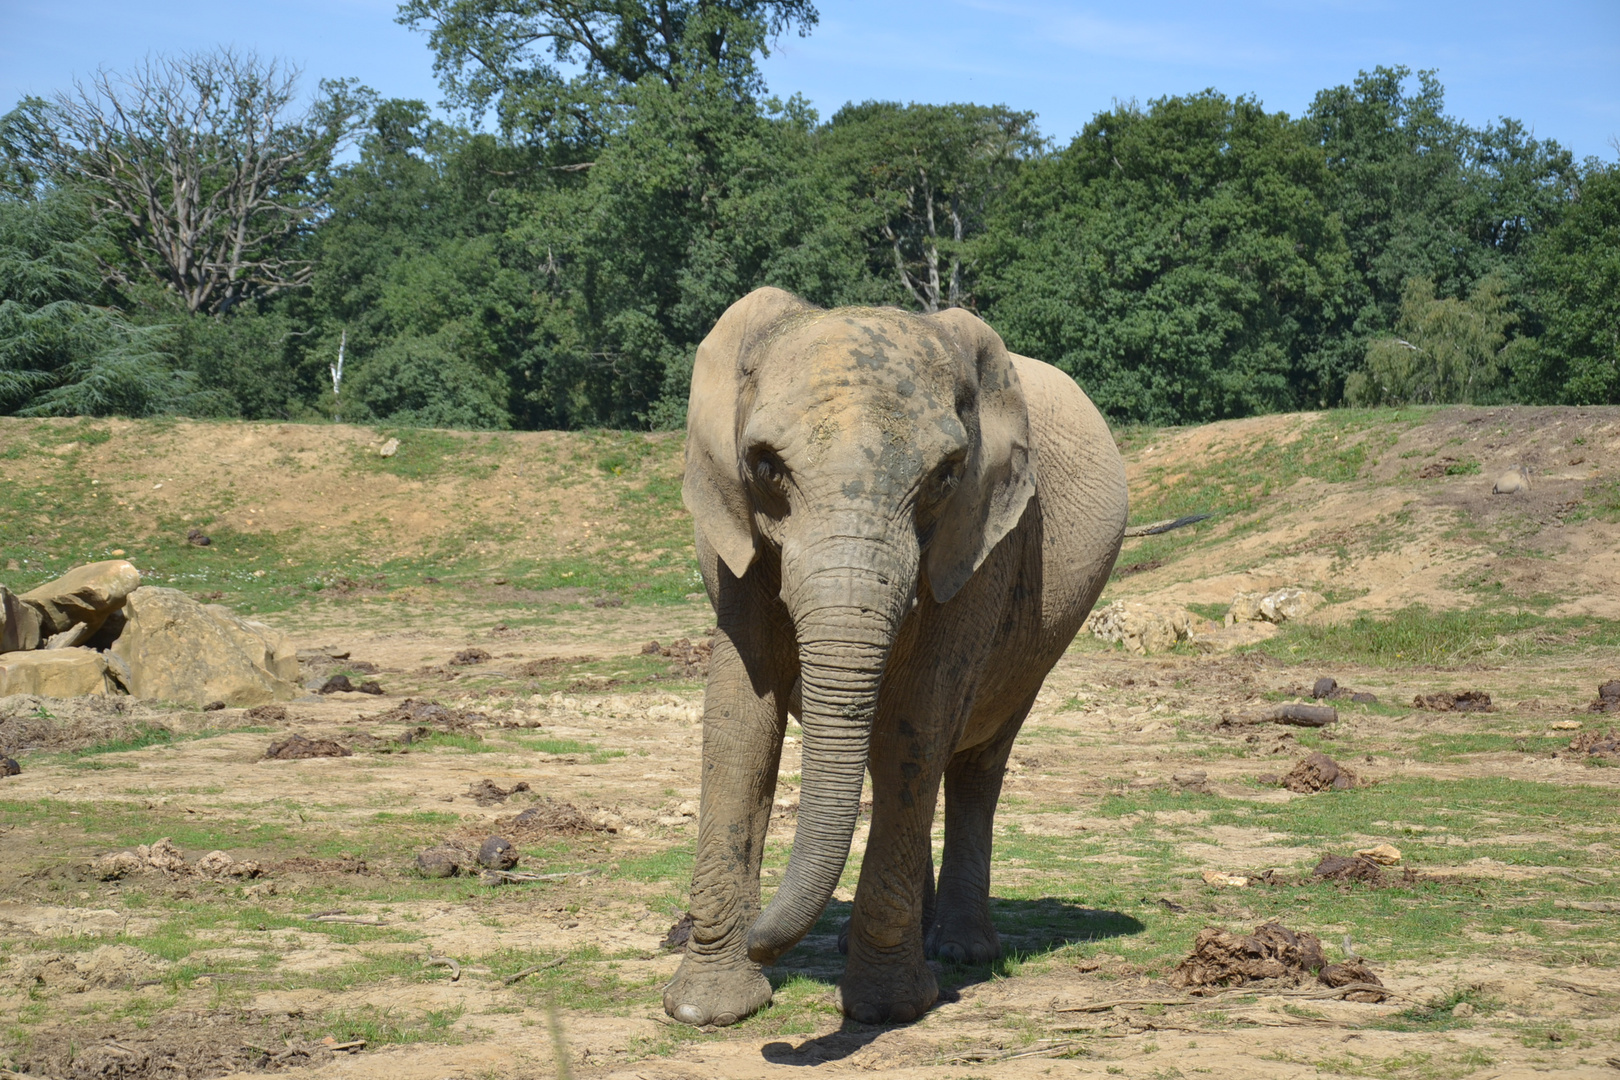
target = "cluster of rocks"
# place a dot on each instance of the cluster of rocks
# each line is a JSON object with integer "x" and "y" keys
{"x": 98, "y": 630}
{"x": 1142, "y": 628}
{"x": 1277, "y": 606}
{"x": 1145, "y": 628}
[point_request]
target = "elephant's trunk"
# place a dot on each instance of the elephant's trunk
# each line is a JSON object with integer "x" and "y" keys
{"x": 846, "y": 618}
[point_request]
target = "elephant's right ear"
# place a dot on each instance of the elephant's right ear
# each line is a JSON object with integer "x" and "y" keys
{"x": 714, "y": 489}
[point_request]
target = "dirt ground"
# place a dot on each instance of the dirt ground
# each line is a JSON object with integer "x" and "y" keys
{"x": 1142, "y": 790}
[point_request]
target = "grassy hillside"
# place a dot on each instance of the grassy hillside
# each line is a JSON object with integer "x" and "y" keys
{"x": 1385, "y": 512}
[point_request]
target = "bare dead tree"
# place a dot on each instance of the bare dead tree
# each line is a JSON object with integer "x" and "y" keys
{"x": 206, "y": 168}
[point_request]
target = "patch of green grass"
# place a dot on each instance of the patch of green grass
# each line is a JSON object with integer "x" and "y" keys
{"x": 1213, "y": 612}
{"x": 1417, "y": 636}
{"x": 1466, "y": 467}
{"x": 387, "y": 1026}
{"x": 547, "y": 745}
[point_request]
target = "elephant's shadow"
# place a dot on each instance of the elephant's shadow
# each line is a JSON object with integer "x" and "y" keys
{"x": 1029, "y": 929}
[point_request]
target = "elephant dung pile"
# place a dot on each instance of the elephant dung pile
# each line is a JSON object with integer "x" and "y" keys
{"x": 98, "y": 630}
{"x": 1272, "y": 954}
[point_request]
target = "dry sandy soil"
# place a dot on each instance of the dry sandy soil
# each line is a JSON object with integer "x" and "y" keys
{"x": 1496, "y": 935}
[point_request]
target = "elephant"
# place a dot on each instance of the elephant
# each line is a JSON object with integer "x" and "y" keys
{"x": 900, "y": 526}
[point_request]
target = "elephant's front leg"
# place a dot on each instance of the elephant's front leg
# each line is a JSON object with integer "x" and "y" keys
{"x": 887, "y": 977}
{"x": 743, "y": 721}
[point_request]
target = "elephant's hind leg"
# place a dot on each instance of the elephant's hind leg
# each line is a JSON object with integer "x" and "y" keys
{"x": 961, "y": 929}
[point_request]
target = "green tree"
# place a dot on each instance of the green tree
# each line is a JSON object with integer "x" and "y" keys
{"x": 924, "y": 178}
{"x": 1422, "y": 195}
{"x": 64, "y": 350}
{"x": 512, "y": 54}
{"x": 1574, "y": 271}
{"x": 1180, "y": 261}
{"x": 1445, "y": 351}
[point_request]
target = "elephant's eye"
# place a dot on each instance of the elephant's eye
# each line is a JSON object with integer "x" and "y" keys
{"x": 768, "y": 469}
{"x": 946, "y": 478}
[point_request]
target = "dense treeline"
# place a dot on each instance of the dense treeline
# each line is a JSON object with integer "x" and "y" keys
{"x": 1193, "y": 259}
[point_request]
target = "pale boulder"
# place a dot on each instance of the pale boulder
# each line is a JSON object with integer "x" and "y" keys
{"x": 178, "y": 650}
{"x": 1515, "y": 481}
{"x": 84, "y": 595}
{"x": 19, "y": 623}
{"x": 55, "y": 673}
{"x": 1278, "y": 606}
{"x": 1143, "y": 629}
{"x": 267, "y": 646}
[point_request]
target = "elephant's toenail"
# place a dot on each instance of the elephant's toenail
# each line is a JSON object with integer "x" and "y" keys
{"x": 725, "y": 1019}
{"x": 690, "y": 1014}
{"x": 902, "y": 1014}
{"x": 865, "y": 1014}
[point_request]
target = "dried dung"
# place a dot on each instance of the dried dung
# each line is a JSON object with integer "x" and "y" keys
{"x": 1606, "y": 744}
{"x": 1353, "y": 971}
{"x": 1349, "y": 868}
{"x": 1304, "y": 715}
{"x": 549, "y": 818}
{"x": 441, "y": 862}
{"x": 1318, "y": 772}
{"x": 272, "y": 714}
{"x": 469, "y": 657}
{"x": 1608, "y": 699}
{"x": 497, "y": 854}
{"x": 679, "y": 934}
{"x": 1327, "y": 688}
{"x": 296, "y": 746}
{"x": 411, "y": 711}
{"x": 1463, "y": 701}
{"x": 1436, "y": 468}
{"x": 688, "y": 659}
{"x": 9, "y": 766}
{"x": 488, "y": 793}
{"x": 1222, "y": 958}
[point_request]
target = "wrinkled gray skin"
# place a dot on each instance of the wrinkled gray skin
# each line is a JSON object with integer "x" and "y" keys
{"x": 901, "y": 527}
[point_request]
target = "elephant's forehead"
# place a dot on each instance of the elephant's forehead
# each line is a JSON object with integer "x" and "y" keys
{"x": 842, "y": 357}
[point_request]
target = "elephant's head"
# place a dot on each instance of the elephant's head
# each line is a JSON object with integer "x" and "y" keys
{"x": 880, "y": 453}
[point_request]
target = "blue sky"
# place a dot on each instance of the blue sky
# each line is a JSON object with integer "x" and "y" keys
{"x": 1554, "y": 65}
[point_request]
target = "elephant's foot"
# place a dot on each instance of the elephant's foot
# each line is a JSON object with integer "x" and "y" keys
{"x": 716, "y": 992}
{"x": 964, "y": 938}
{"x": 892, "y": 993}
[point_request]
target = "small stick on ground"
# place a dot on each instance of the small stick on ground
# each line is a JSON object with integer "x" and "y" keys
{"x": 444, "y": 961}
{"x": 526, "y": 972}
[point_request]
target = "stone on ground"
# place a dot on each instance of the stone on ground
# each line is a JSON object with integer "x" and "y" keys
{"x": 1143, "y": 629}
{"x": 84, "y": 595}
{"x": 19, "y": 623}
{"x": 1277, "y": 606}
{"x": 56, "y": 673}
{"x": 179, "y": 650}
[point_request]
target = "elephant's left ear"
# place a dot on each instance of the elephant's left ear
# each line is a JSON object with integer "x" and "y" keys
{"x": 1000, "y": 474}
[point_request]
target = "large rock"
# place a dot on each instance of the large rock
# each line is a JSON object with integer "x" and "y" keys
{"x": 269, "y": 647}
{"x": 1277, "y": 606}
{"x": 1143, "y": 629}
{"x": 178, "y": 650}
{"x": 56, "y": 673}
{"x": 85, "y": 595}
{"x": 19, "y": 623}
